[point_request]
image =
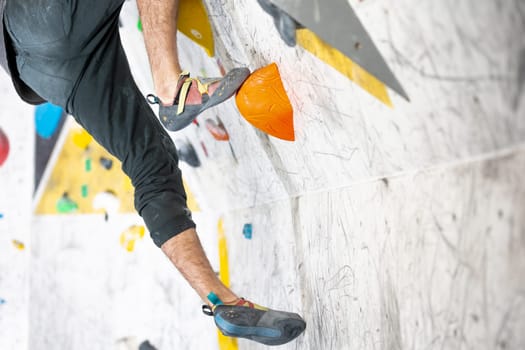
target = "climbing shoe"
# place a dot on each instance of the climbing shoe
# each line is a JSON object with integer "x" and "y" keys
{"x": 244, "y": 319}
{"x": 194, "y": 95}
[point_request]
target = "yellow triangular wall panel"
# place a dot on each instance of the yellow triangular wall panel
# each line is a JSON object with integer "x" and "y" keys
{"x": 312, "y": 43}
{"x": 77, "y": 171}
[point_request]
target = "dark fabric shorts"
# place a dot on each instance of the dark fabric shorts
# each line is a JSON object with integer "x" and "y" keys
{"x": 70, "y": 53}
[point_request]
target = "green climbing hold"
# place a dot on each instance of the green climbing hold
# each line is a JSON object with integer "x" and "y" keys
{"x": 66, "y": 205}
{"x": 88, "y": 165}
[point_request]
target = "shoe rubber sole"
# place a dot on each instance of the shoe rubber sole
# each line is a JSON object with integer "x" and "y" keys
{"x": 272, "y": 327}
{"x": 228, "y": 86}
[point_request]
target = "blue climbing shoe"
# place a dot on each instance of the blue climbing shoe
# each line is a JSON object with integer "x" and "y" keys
{"x": 195, "y": 95}
{"x": 244, "y": 319}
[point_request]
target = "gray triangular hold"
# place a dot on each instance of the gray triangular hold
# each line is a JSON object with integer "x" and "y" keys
{"x": 337, "y": 24}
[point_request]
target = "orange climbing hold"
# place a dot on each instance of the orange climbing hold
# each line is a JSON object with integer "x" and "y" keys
{"x": 217, "y": 130}
{"x": 264, "y": 103}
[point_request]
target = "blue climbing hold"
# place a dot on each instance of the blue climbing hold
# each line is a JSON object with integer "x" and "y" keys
{"x": 2, "y": 301}
{"x": 247, "y": 231}
{"x": 47, "y": 119}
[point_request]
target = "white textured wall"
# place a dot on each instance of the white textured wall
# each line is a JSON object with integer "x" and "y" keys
{"x": 87, "y": 292}
{"x": 397, "y": 228}
{"x": 430, "y": 260}
{"x": 16, "y": 186}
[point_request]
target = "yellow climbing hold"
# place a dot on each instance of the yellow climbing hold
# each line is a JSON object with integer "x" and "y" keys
{"x": 81, "y": 138}
{"x": 193, "y": 22}
{"x": 130, "y": 236}
{"x": 191, "y": 202}
{"x": 19, "y": 245}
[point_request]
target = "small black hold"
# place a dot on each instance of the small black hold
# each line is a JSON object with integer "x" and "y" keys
{"x": 146, "y": 345}
{"x": 286, "y": 25}
{"x": 385, "y": 181}
{"x": 111, "y": 192}
{"x": 188, "y": 154}
{"x": 106, "y": 163}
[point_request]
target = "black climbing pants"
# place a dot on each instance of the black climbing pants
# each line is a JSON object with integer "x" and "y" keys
{"x": 70, "y": 53}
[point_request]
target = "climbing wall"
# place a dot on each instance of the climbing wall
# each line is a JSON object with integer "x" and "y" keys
{"x": 16, "y": 187}
{"x": 388, "y": 222}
